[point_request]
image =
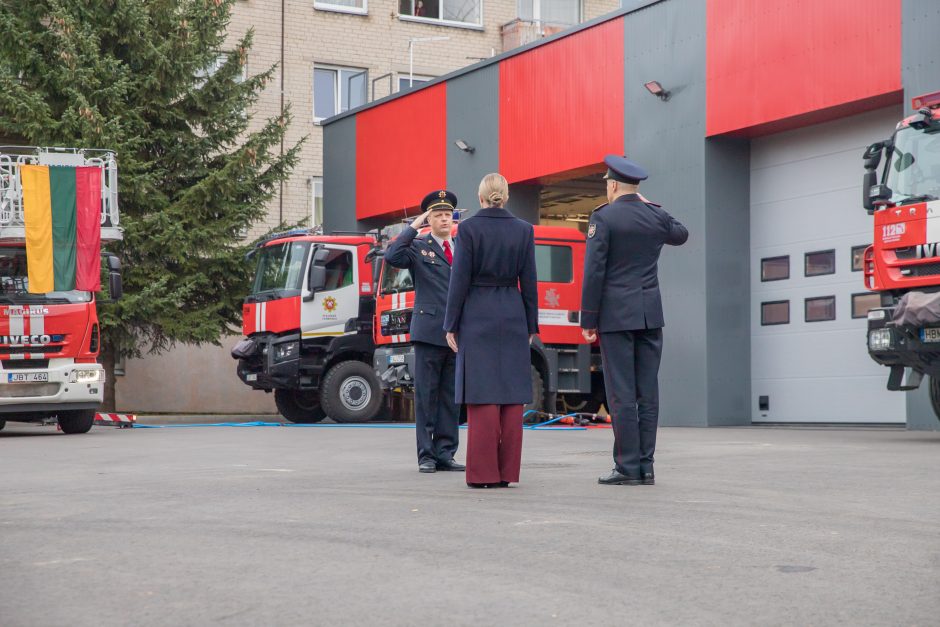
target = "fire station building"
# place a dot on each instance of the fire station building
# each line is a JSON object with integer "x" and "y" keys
{"x": 751, "y": 118}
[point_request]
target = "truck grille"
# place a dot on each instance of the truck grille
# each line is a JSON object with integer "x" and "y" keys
{"x": 19, "y": 390}
{"x": 24, "y": 364}
{"x": 926, "y": 269}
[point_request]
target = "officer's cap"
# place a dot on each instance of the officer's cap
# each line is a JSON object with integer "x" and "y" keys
{"x": 439, "y": 200}
{"x": 623, "y": 170}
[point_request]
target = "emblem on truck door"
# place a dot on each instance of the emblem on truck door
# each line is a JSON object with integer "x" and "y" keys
{"x": 329, "y": 304}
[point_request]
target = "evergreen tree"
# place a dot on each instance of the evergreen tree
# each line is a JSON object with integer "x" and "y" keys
{"x": 150, "y": 80}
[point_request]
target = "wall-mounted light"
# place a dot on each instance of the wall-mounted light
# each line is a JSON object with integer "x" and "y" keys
{"x": 657, "y": 90}
{"x": 464, "y": 146}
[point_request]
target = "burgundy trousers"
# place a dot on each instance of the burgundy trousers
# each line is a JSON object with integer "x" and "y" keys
{"x": 494, "y": 443}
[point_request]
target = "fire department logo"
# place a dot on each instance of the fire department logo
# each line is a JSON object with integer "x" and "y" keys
{"x": 329, "y": 304}
{"x": 442, "y": 194}
{"x": 592, "y": 230}
{"x": 551, "y": 298}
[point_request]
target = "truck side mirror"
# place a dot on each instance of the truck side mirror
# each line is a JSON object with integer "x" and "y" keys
{"x": 872, "y": 159}
{"x": 115, "y": 284}
{"x": 316, "y": 278}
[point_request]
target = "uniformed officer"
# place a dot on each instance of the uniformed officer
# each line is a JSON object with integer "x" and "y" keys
{"x": 621, "y": 300}
{"x": 429, "y": 259}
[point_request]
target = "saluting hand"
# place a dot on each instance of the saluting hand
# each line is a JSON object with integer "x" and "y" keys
{"x": 419, "y": 221}
{"x": 589, "y": 334}
{"x": 452, "y": 341}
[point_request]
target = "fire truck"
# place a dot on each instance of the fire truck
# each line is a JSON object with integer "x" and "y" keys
{"x": 903, "y": 263}
{"x": 49, "y": 342}
{"x": 565, "y": 369}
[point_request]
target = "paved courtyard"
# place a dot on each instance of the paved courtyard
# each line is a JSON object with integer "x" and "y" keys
{"x": 335, "y": 526}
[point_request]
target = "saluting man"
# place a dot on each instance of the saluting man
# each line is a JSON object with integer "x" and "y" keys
{"x": 429, "y": 259}
{"x": 621, "y": 300}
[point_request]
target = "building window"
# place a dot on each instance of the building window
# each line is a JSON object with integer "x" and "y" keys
{"x": 220, "y": 59}
{"x": 775, "y": 268}
{"x": 858, "y": 257}
{"x": 337, "y": 89}
{"x": 820, "y": 309}
{"x": 862, "y": 303}
{"x": 454, "y": 11}
{"x": 562, "y": 12}
{"x": 316, "y": 194}
{"x": 343, "y": 6}
{"x": 775, "y": 312}
{"x": 553, "y": 263}
{"x": 820, "y": 262}
{"x": 405, "y": 81}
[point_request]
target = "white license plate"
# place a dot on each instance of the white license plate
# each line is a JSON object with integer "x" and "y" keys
{"x": 930, "y": 334}
{"x": 28, "y": 377}
{"x": 251, "y": 377}
{"x": 396, "y": 359}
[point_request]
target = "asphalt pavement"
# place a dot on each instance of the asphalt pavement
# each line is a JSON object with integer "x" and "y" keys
{"x": 335, "y": 526}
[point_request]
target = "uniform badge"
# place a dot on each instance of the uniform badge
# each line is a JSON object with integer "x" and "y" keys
{"x": 431, "y": 254}
{"x": 424, "y": 252}
{"x": 442, "y": 194}
{"x": 592, "y": 230}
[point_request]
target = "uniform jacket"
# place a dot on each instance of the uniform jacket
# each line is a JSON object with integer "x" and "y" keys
{"x": 492, "y": 306}
{"x": 621, "y": 285}
{"x": 431, "y": 275}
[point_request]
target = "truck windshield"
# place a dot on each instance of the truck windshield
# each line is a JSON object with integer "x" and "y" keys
{"x": 14, "y": 283}
{"x": 281, "y": 267}
{"x": 395, "y": 280}
{"x": 913, "y": 171}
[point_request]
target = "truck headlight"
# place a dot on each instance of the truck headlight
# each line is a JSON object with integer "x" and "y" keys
{"x": 86, "y": 375}
{"x": 880, "y": 340}
{"x": 286, "y": 350}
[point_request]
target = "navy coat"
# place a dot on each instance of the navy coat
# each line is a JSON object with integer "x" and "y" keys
{"x": 431, "y": 275}
{"x": 621, "y": 285}
{"x": 492, "y": 306}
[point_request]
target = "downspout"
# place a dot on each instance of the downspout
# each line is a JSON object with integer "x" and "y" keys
{"x": 280, "y": 210}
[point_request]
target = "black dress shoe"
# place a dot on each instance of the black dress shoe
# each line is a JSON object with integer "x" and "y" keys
{"x": 502, "y": 484}
{"x": 450, "y": 464}
{"x": 479, "y": 485}
{"x": 616, "y": 478}
{"x": 649, "y": 478}
{"x": 427, "y": 467}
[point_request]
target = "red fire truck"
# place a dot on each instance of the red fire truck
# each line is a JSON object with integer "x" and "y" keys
{"x": 49, "y": 342}
{"x": 903, "y": 263}
{"x": 566, "y": 372}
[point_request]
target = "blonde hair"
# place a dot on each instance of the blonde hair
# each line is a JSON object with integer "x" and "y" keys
{"x": 494, "y": 190}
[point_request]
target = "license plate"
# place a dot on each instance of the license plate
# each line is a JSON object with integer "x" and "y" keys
{"x": 396, "y": 359}
{"x": 930, "y": 334}
{"x": 251, "y": 377}
{"x": 28, "y": 377}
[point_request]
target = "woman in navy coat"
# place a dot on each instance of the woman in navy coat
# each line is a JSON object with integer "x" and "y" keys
{"x": 492, "y": 313}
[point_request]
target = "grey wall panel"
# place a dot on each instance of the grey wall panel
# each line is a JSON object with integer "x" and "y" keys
{"x": 666, "y": 42}
{"x": 473, "y": 116}
{"x": 524, "y": 202}
{"x": 920, "y": 73}
{"x": 339, "y": 176}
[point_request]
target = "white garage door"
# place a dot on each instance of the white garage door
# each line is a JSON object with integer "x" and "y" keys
{"x": 809, "y": 361}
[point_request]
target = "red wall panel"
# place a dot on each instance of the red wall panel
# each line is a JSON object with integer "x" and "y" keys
{"x": 561, "y": 104}
{"x": 401, "y": 152}
{"x": 772, "y": 61}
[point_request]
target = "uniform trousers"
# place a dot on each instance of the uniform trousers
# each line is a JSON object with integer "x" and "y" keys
{"x": 436, "y": 414}
{"x": 494, "y": 443}
{"x": 631, "y": 371}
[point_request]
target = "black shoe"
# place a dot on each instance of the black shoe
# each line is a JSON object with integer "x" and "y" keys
{"x": 479, "y": 485}
{"x": 502, "y": 484}
{"x": 649, "y": 478}
{"x": 616, "y": 478}
{"x": 428, "y": 466}
{"x": 450, "y": 464}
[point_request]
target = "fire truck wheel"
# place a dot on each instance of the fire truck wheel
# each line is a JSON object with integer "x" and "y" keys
{"x": 538, "y": 394}
{"x": 3, "y": 423}
{"x": 351, "y": 392}
{"x": 935, "y": 396}
{"x": 76, "y": 420}
{"x": 299, "y": 406}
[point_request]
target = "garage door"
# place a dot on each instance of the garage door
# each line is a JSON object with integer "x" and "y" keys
{"x": 808, "y": 354}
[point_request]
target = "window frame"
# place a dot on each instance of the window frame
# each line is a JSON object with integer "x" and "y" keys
{"x": 570, "y": 253}
{"x": 403, "y": 76}
{"x": 763, "y": 259}
{"x": 863, "y": 248}
{"x": 819, "y": 252}
{"x": 537, "y": 12}
{"x": 342, "y": 8}
{"x": 314, "y": 182}
{"x": 806, "y": 308}
{"x": 337, "y": 87}
{"x": 855, "y": 295}
{"x": 439, "y": 21}
{"x": 763, "y": 323}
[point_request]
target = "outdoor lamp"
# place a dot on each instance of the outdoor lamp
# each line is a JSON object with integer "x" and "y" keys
{"x": 464, "y": 146}
{"x": 657, "y": 90}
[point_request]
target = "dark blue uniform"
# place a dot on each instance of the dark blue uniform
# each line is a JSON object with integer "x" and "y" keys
{"x": 621, "y": 299}
{"x": 436, "y": 413}
{"x": 493, "y": 308}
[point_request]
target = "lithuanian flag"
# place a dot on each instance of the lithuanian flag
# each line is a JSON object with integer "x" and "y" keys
{"x": 62, "y": 215}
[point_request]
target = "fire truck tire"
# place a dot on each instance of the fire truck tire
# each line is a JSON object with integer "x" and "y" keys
{"x": 299, "y": 406}
{"x": 351, "y": 392}
{"x": 538, "y": 393}
{"x": 3, "y": 423}
{"x": 935, "y": 396}
{"x": 76, "y": 420}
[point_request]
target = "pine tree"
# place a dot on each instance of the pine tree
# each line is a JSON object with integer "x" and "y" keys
{"x": 135, "y": 76}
